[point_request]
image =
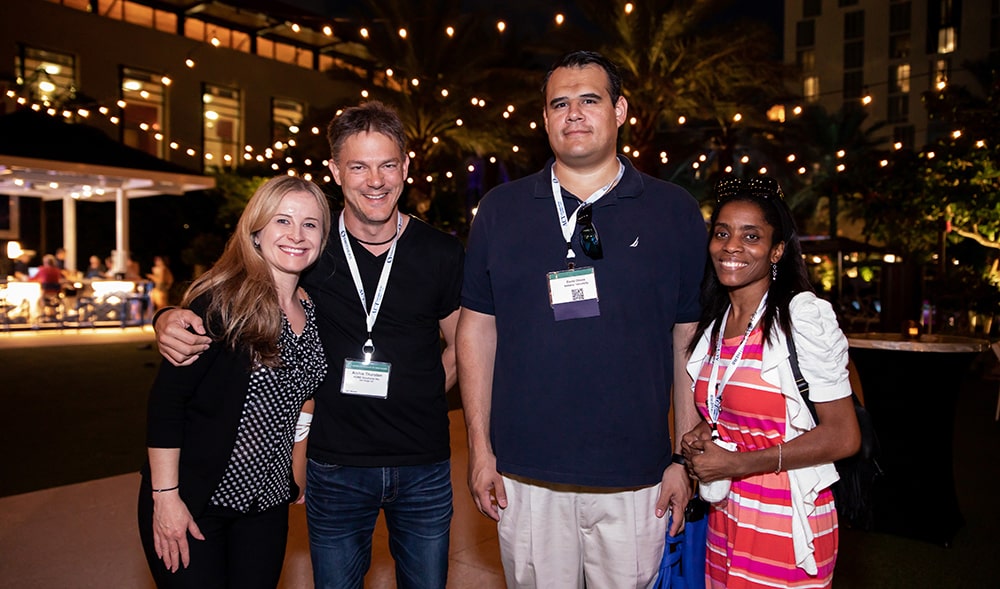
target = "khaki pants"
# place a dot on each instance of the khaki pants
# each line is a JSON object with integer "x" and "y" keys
{"x": 567, "y": 536}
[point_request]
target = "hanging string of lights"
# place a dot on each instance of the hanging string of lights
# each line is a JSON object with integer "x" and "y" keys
{"x": 281, "y": 156}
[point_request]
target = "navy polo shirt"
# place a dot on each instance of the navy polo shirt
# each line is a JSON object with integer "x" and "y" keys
{"x": 585, "y": 401}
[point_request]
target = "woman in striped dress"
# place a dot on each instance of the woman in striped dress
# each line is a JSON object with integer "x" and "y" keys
{"x": 776, "y": 525}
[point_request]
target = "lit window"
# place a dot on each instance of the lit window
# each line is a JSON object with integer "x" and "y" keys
{"x": 901, "y": 78}
{"x": 810, "y": 88}
{"x": 49, "y": 76}
{"x": 222, "y": 118}
{"x": 142, "y": 118}
{"x": 285, "y": 116}
{"x": 946, "y": 40}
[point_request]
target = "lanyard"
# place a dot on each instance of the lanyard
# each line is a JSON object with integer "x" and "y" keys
{"x": 568, "y": 224}
{"x": 716, "y": 386}
{"x": 352, "y": 263}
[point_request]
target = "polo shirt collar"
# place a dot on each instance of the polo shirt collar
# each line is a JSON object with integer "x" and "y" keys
{"x": 630, "y": 186}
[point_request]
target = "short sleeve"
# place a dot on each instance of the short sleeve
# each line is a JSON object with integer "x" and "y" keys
{"x": 821, "y": 348}
{"x": 477, "y": 290}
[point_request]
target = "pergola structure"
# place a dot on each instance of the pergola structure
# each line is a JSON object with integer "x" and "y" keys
{"x": 45, "y": 157}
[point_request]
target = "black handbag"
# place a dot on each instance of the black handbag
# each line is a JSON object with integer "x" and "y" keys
{"x": 859, "y": 473}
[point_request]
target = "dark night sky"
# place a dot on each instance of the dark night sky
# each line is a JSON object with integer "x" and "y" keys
{"x": 769, "y": 11}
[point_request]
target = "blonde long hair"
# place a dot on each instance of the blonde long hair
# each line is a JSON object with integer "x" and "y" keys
{"x": 244, "y": 298}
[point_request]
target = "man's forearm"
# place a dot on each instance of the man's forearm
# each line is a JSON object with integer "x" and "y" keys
{"x": 685, "y": 413}
{"x": 476, "y": 341}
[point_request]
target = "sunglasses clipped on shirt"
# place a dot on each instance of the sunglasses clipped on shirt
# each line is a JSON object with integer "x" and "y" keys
{"x": 590, "y": 241}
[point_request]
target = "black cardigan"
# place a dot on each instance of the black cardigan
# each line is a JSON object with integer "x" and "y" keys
{"x": 197, "y": 408}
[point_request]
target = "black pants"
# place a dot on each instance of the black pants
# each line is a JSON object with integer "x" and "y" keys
{"x": 239, "y": 550}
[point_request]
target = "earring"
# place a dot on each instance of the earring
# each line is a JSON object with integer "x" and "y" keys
{"x": 774, "y": 271}
{"x": 256, "y": 244}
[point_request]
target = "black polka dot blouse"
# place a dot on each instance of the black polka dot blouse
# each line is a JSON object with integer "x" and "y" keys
{"x": 258, "y": 476}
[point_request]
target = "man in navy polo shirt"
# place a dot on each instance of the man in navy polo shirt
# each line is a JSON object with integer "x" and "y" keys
{"x": 580, "y": 296}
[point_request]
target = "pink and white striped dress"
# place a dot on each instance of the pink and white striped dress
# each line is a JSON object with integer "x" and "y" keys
{"x": 750, "y": 534}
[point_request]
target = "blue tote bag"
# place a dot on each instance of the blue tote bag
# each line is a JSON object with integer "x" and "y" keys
{"x": 683, "y": 563}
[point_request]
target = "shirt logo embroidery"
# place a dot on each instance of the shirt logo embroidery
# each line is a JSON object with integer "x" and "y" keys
{"x": 635, "y": 243}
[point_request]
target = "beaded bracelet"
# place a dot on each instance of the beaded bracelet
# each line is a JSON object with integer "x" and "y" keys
{"x": 778, "y": 470}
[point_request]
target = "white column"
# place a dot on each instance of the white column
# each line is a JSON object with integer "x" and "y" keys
{"x": 69, "y": 231}
{"x": 121, "y": 230}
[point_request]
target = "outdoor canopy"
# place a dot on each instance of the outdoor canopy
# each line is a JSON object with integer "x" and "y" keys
{"x": 44, "y": 156}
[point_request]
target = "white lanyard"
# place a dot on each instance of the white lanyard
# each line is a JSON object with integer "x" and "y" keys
{"x": 715, "y": 386}
{"x": 352, "y": 263}
{"x": 568, "y": 224}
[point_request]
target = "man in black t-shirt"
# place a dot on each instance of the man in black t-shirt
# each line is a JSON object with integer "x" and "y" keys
{"x": 387, "y": 289}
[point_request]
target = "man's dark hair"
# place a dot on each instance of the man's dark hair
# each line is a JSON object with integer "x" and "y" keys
{"x": 370, "y": 117}
{"x": 584, "y": 58}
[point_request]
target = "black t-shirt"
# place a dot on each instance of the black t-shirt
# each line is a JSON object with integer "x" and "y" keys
{"x": 410, "y": 427}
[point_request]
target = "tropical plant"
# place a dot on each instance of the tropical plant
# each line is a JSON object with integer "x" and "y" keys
{"x": 840, "y": 154}
{"x": 461, "y": 86}
{"x": 677, "y": 61}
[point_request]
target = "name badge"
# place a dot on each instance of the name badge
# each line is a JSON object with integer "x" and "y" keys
{"x": 573, "y": 294}
{"x": 367, "y": 379}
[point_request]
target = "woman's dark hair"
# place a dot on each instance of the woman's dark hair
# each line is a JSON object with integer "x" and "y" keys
{"x": 792, "y": 278}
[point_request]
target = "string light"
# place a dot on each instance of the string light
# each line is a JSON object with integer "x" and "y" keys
{"x": 560, "y": 19}
{"x": 450, "y": 31}
{"x": 628, "y": 8}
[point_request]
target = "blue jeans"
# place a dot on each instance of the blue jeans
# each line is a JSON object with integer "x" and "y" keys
{"x": 342, "y": 504}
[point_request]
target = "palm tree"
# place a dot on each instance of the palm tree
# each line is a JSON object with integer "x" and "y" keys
{"x": 676, "y": 62}
{"x": 839, "y": 154}
{"x": 460, "y": 85}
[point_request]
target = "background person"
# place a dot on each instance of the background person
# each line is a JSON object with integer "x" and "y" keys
{"x": 220, "y": 431}
{"x": 95, "y": 269}
{"x": 567, "y": 404}
{"x": 50, "y": 276}
{"x": 21, "y": 265}
{"x": 162, "y": 279}
{"x": 777, "y": 527}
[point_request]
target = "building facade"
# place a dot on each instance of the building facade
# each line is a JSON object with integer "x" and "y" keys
{"x": 887, "y": 53}
{"x": 201, "y": 84}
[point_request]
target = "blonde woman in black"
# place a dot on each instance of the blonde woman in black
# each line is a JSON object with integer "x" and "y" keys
{"x": 213, "y": 502}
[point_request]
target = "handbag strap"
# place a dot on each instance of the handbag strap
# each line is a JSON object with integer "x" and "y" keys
{"x": 800, "y": 381}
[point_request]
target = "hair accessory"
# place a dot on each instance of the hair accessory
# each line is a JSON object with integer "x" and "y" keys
{"x": 774, "y": 271}
{"x": 762, "y": 186}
